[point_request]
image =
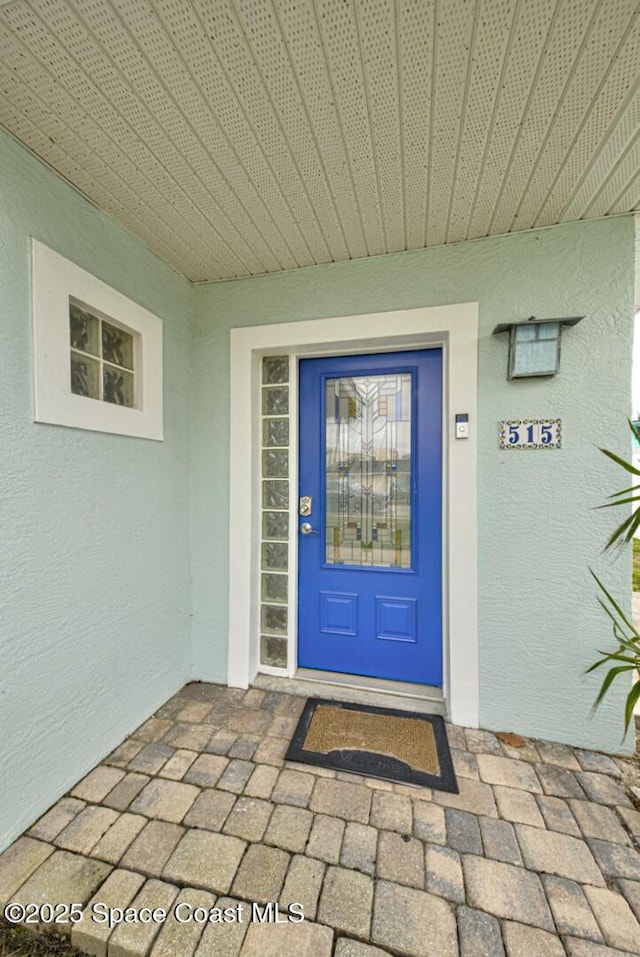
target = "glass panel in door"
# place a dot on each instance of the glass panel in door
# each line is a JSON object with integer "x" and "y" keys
{"x": 368, "y": 471}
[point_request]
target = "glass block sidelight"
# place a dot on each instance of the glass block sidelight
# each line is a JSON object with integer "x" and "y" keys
{"x": 275, "y": 432}
{"x": 275, "y": 463}
{"x": 275, "y": 588}
{"x": 273, "y": 651}
{"x": 275, "y": 525}
{"x": 274, "y": 619}
{"x": 274, "y": 554}
{"x": 275, "y": 369}
{"x": 275, "y": 495}
{"x": 275, "y": 401}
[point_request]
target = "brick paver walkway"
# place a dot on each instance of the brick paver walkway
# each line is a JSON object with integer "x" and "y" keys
{"x": 197, "y": 814}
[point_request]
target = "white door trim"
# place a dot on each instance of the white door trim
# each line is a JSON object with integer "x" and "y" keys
{"x": 455, "y": 327}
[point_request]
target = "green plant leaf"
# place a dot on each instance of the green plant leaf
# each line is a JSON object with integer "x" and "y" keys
{"x": 606, "y": 684}
{"x": 630, "y": 643}
{"x": 597, "y": 664}
{"x": 620, "y": 531}
{"x": 622, "y": 501}
{"x": 633, "y": 488}
{"x": 632, "y": 700}
{"x": 617, "y": 631}
{"x": 634, "y": 525}
{"x": 614, "y": 604}
{"x": 625, "y": 465}
{"x": 616, "y": 656}
{"x": 630, "y": 662}
{"x": 626, "y": 657}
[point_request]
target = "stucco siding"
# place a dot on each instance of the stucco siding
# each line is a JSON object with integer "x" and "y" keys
{"x": 94, "y": 556}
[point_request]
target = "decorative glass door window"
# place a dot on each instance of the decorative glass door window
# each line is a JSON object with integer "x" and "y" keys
{"x": 103, "y": 363}
{"x": 368, "y": 471}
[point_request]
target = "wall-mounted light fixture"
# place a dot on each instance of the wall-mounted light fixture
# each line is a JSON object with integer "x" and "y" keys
{"x": 534, "y": 345}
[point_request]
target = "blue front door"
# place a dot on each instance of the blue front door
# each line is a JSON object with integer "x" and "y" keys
{"x": 370, "y": 576}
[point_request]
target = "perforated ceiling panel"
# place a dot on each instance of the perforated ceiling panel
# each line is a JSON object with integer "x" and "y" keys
{"x": 238, "y": 137}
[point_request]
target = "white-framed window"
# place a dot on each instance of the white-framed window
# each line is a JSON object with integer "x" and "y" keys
{"x": 98, "y": 354}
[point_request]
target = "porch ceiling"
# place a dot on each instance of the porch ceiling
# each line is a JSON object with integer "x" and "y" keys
{"x": 238, "y": 137}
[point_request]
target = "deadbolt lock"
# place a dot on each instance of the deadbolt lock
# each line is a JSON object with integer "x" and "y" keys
{"x": 304, "y": 505}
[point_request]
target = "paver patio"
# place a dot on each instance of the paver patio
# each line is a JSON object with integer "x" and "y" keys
{"x": 538, "y": 854}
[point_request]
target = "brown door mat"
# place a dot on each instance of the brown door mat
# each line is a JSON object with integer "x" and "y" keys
{"x": 379, "y": 742}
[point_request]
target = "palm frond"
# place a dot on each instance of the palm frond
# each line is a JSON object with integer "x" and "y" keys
{"x": 632, "y": 700}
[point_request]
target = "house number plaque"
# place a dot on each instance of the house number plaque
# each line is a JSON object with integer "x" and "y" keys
{"x": 530, "y": 434}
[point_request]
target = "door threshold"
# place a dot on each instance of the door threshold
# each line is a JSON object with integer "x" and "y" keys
{"x": 357, "y": 689}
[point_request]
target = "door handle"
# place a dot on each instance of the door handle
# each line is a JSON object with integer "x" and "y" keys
{"x": 307, "y": 529}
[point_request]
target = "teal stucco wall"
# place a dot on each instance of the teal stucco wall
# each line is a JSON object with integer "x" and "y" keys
{"x": 539, "y": 620}
{"x": 94, "y": 528}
